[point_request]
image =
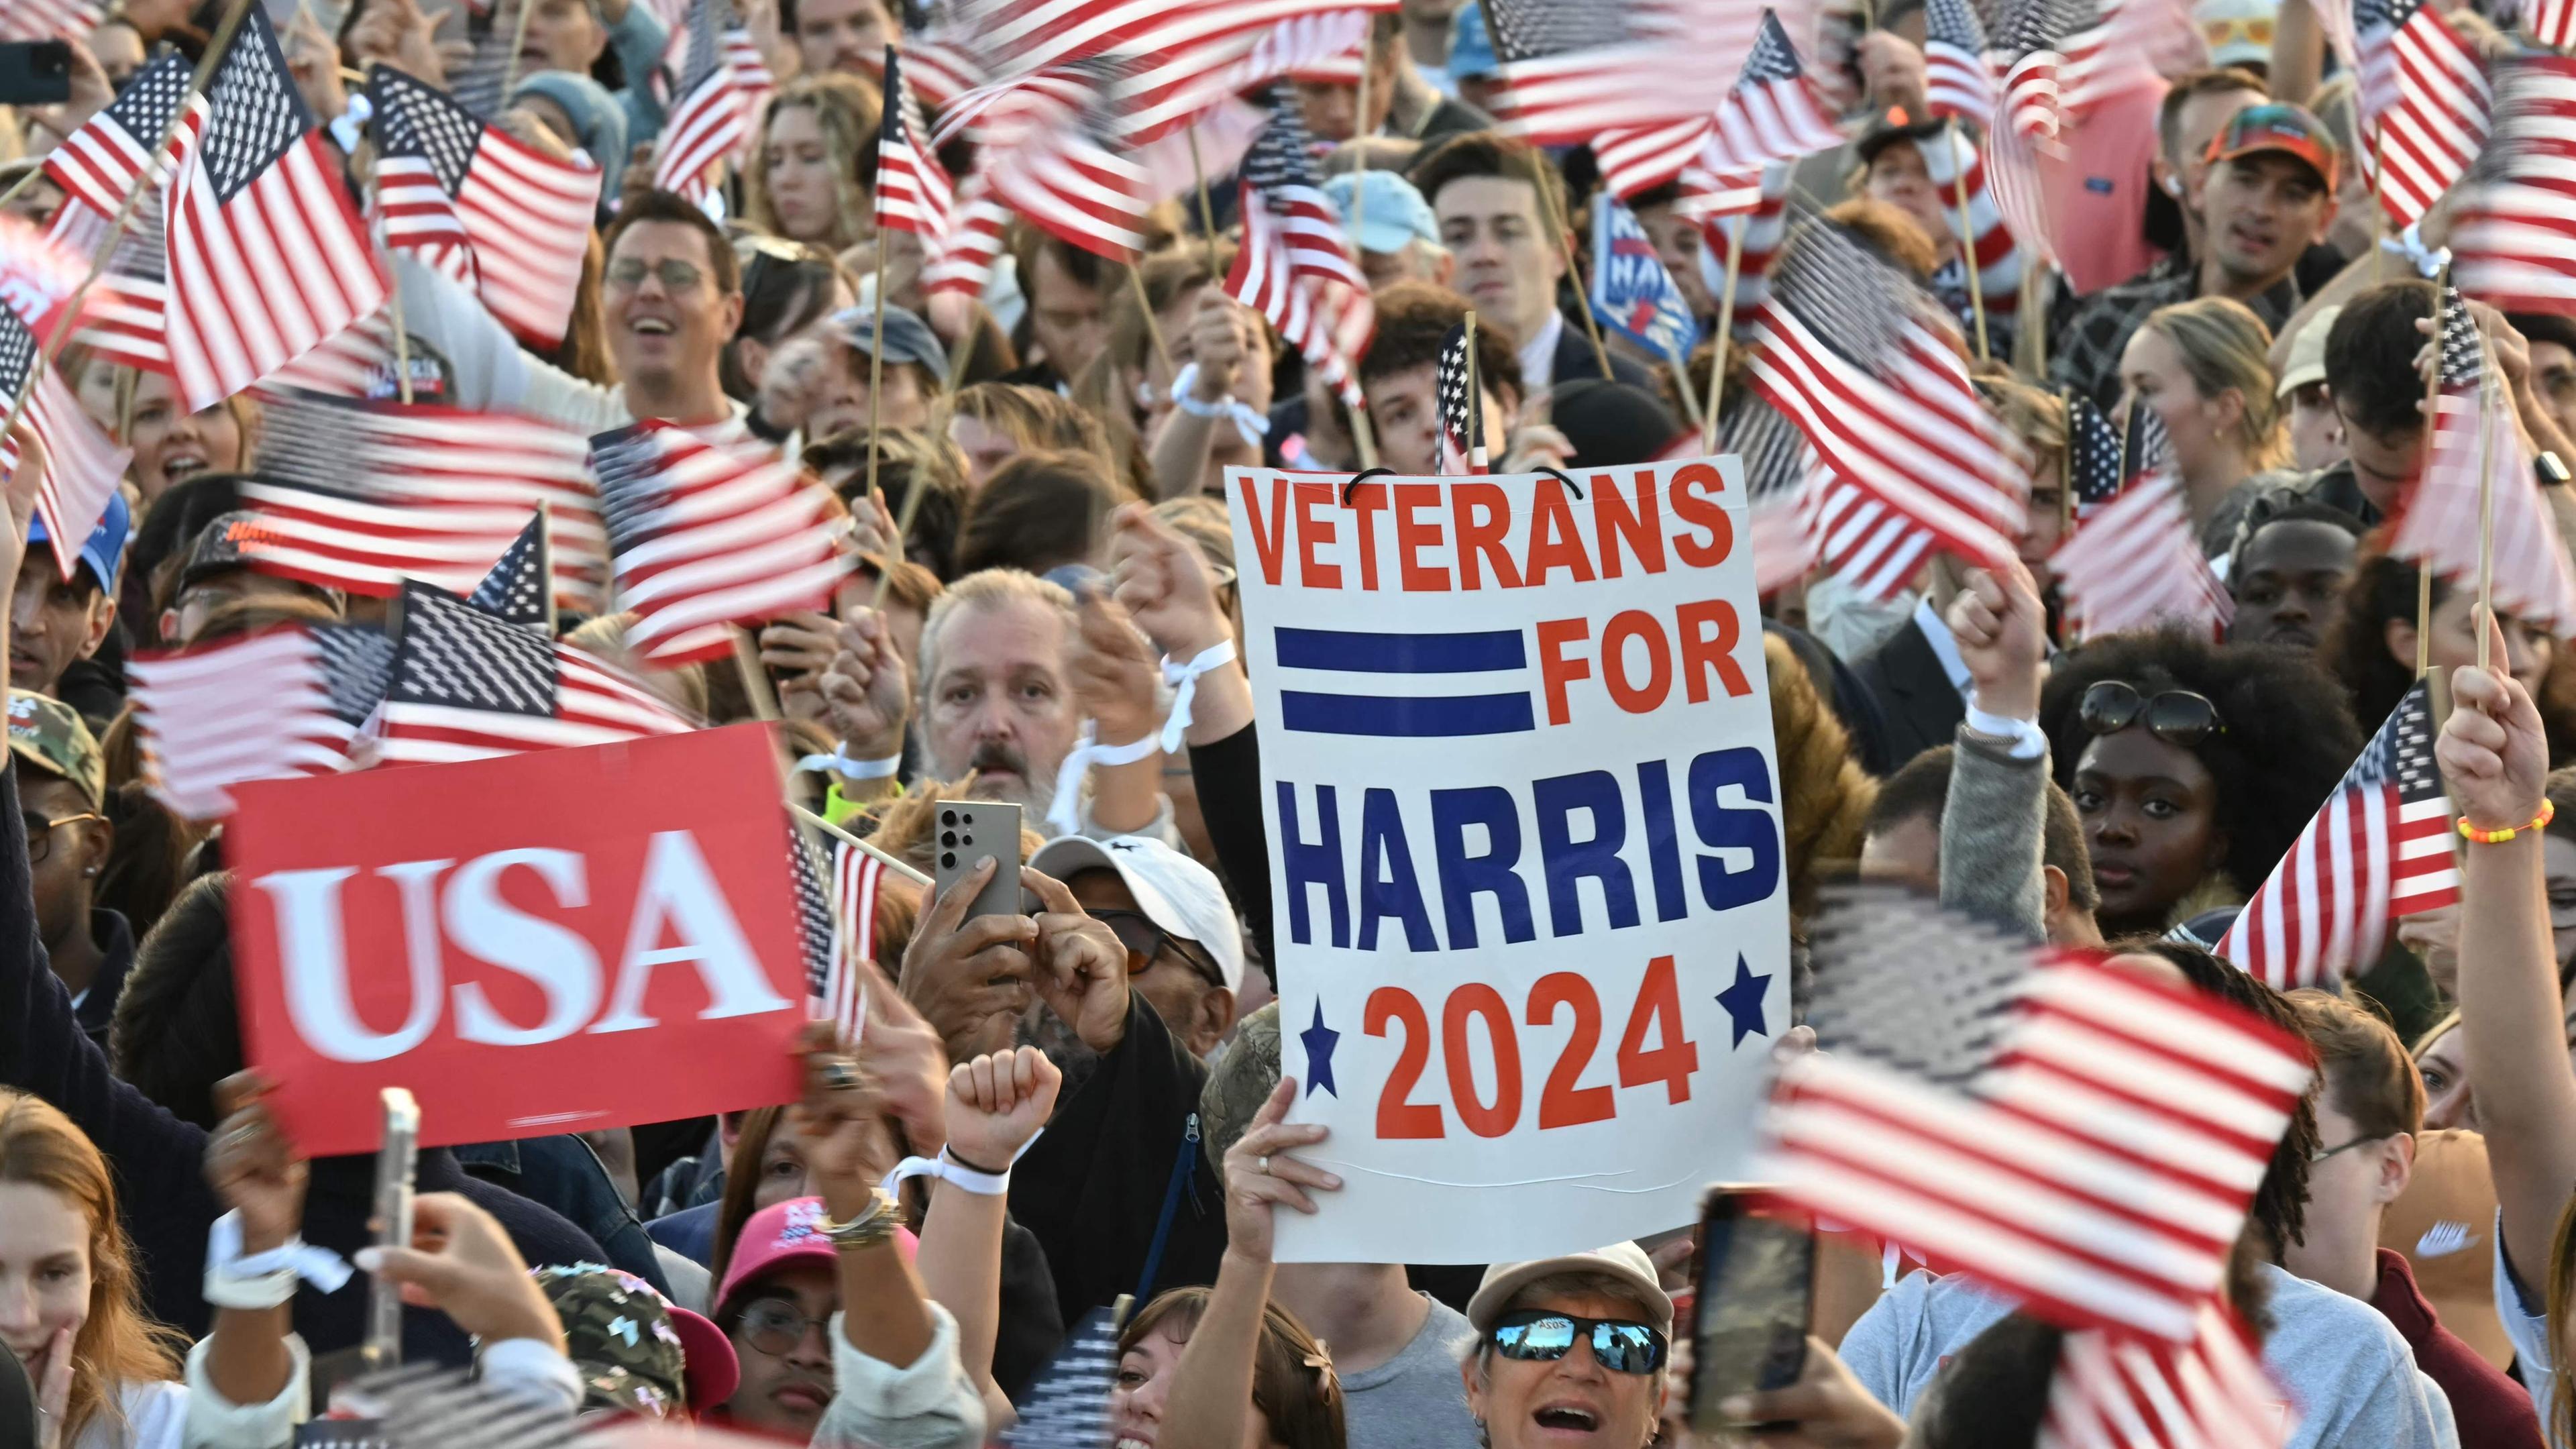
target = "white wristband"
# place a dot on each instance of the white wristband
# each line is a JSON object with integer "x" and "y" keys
{"x": 1066, "y": 814}
{"x": 345, "y": 126}
{"x": 848, "y": 769}
{"x": 264, "y": 1280}
{"x": 1252, "y": 425}
{"x": 2029, "y": 742}
{"x": 1184, "y": 679}
{"x": 948, "y": 1169}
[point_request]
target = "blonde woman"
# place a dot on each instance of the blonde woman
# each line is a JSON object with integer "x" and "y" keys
{"x": 2202, "y": 368}
{"x": 814, "y": 173}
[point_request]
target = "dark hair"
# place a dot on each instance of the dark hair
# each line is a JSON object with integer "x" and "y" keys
{"x": 143, "y": 867}
{"x": 2281, "y": 1203}
{"x": 2355, "y": 642}
{"x": 2287, "y": 742}
{"x": 665, "y": 206}
{"x": 168, "y": 530}
{"x": 735, "y": 1205}
{"x": 2370, "y": 358}
{"x": 1993, "y": 1393}
{"x": 1490, "y": 153}
{"x": 910, "y": 458}
{"x": 2186, "y": 89}
{"x": 178, "y": 1030}
{"x": 2545, "y": 327}
{"x": 1413, "y": 323}
{"x": 781, "y": 295}
{"x": 1038, "y": 511}
{"x": 2282, "y": 505}
{"x": 1087, "y": 269}
{"x": 1293, "y": 1383}
{"x": 1921, "y": 791}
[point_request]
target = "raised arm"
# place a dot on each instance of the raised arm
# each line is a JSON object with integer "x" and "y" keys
{"x": 996, "y": 1103}
{"x": 1993, "y": 825}
{"x": 2512, "y": 1020}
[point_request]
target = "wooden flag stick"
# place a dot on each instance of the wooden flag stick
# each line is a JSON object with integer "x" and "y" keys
{"x": 1474, "y": 442}
{"x": 1968, "y": 243}
{"x": 876, "y": 369}
{"x": 755, "y": 680}
{"x": 846, "y": 838}
{"x": 1725, "y": 328}
{"x": 1564, "y": 230}
{"x": 402, "y": 335}
{"x": 2432, "y": 416}
{"x": 1207, "y": 207}
{"x": 2486, "y": 514}
{"x": 1363, "y": 432}
{"x": 518, "y": 43}
{"x": 62, "y": 328}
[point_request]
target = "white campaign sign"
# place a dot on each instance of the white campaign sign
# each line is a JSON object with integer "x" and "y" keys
{"x": 1525, "y": 857}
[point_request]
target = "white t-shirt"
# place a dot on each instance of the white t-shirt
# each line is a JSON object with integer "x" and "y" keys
{"x": 2526, "y": 1327}
{"x": 155, "y": 1412}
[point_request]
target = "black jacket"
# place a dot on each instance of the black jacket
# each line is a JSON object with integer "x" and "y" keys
{"x": 116, "y": 957}
{"x": 1576, "y": 359}
{"x": 1092, "y": 1187}
{"x": 1922, "y": 707}
{"x": 159, "y": 1160}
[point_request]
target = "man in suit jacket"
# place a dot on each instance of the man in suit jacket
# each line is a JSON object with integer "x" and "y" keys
{"x": 1920, "y": 683}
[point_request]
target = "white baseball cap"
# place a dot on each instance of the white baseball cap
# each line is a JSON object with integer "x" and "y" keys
{"x": 1625, "y": 1263}
{"x": 1175, "y": 892}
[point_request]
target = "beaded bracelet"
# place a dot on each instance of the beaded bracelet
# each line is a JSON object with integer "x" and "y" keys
{"x": 2548, "y": 812}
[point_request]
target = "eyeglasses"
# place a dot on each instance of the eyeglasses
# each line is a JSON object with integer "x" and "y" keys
{"x": 1619, "y": 1345}
{"x": 40, "y": 831}
{"x": 1144, "y": 941}
{"x": 2321, "y": 1154}
{"x": 677, "y": 276}
{"x": 2176, "y": 716}
{"x": 775, "y": 1328}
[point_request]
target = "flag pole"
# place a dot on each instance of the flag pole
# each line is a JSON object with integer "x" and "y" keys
{"x": 1474, "y": 442}
{"x": 2432, "y": 419}
{"x": 546, "y": 551}
{"x": 846, "y": 838}
{"x": 518, "y": 43}
{"x": 1362, "y": 433}
{"x": 62, "y": 328}
{"x": 1725, "y": 329}
{"x": 1153, "y": 324}
{"x": 2030, "y": 344}
{"x": 1565, "y": 249}
{"x": 402, "y": 335}
{"x": 2486, "y": 513}
{"x": 2378, "y": 202}
{"x": 1207, "y": 207}
{"x": 1968, "y": 241}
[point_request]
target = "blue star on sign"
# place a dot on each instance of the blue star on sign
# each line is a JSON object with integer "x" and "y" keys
{"x": 1743, "y": 1001}
{"x": 1319, "y": 1041}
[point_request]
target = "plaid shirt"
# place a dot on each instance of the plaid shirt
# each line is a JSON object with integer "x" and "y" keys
{"x": 2086, "y": 354}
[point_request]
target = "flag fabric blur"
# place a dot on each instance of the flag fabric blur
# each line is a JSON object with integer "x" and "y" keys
{"x": 2121, "y": 1388}
{"x": 272, "y": 705}
{"x": 2550, "y": 24}
{"x": 49, "y": 19}
{"x": 1068, "y": 1405}
{"x": 914, "y": 193}
{"x": 977, "y": 227}
{"x": 1328, "y": 323}
{"x": 267, "y": 256}
{"x": 2514, "y": 243}
{"x": 1571, "y": 69}
{"x": 708, "y": 118}
{"x": 84, "y": 467}
{"x": 1772, "y": 113}
{"x": 2424, "y": 102}
{"x": 466, "y": 685}
{"x": 1462, "y": 412}
{"x": 2475, "y": 435}
{"x": 125, "y": 318}
{"x": 1053, "y": 155}
{"x": 1280, "y": 168}
{"x": 754, "y": 86}
{"x": 1636, "y": 159}
{"x": 1957, "y": 79}
{"x": 2134, "y": 565}
{"x": 2012, "y": 179}
{"x": 1630, "y": 289}
{"x": 103, "y": 160}
{"x": 706, "y": 535}
{"x": 1779, "y": 469}
{"x": 503, "y": 218}
{"x": 2379, "y": 848}
{"x": 1886, "y": 402}
{"x": 1959, "y": 174}
{"x": 2004, "y": 1109}
{"x": 850, "y": 935}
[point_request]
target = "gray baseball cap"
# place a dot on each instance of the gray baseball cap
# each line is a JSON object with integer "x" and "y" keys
{"x": 908, "y": 338}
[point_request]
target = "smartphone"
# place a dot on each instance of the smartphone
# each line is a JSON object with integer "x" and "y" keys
{"x": 395, "y": 1161}
{"x": 969, "y": 832}
{"x": 1755, "y": 1296}
{"x": 35, "y": 72}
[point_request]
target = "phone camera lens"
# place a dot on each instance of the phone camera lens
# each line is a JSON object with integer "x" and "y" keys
{"x": 970, "y": 837}
{"x": 948, "y": 838}
{"x": 947, "y": 817}
{"x": 948, "y": 860}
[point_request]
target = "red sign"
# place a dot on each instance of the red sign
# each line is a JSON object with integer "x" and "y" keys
{"x": 548, "y": 942}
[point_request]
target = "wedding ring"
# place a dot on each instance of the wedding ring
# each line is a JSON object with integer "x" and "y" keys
{"x": 1263, "y": 1166}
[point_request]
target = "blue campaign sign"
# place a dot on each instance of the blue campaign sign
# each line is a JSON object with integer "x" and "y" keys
{"x": 1630, "y": 288}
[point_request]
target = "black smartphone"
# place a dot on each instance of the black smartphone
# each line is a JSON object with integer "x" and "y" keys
{"x": 1756, "y": 1295}
{"x": 35, "y": 72}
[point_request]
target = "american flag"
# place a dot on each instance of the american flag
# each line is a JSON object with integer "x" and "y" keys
{"x": 1462, "y": 412}
{"x": 83, "y": 466}
{"x": 477, "y": 205}
{"x": 2030, "y": 47}
{"x": 848, "y": 932}
{"x": 1773, "y": 113}
{"x": 1301, "y": 45}
{"x": 1280, "y": 171}
{"x": 102, "y": 162}
{"x": 2515, "y": 242}
{"x": 48, "y": 19}
{"x": 267, "y": 256}
{"x": 1068, "y": 1406}
{"x": 1957, "y": 81}
{"x": 2441, "y": 523}
{"x": 1837, "y": 346}
{"x": 709, "y": 118}
{"x": 2550, "y": 24}
{"x": 515, "y": 591}
{"x": 2379, "y": 848}
{"x": 2134, "y": 565}
{"x": 914, "y": 193}
{"x": 2080, "y": 1139}
{"x": 2425, "y": 102}
{"x": 365, "y": 495}
{"x": 2115, "y": 1388}
{"x": 273, "y": 705}
{"x": 1188, "y": 37}
{"x": 1053, "y": 156}
{"x": 977, "y": 228}
{"x": 469, "y": 686}
{"x": 754, "y": 85}
{"x": 1779, "y": 472}
{"x": 1636, "y": 159}
{"x": 1313, "y": 317}
{"x": 706, "y": 535}
{"x": 1958, "y": 172}
{"x": 2012, "y": 177}
{"x": 817, "y": 932}
{"x": 1571, "y": 69}
{"x": 2098, "y": 465}
{"x": 124, "y": 319}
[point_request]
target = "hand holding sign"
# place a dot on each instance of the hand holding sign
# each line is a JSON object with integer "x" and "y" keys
{"x": 1259, "y": 1175}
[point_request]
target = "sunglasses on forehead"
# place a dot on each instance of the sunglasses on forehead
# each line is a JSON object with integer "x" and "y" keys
{"x": 1623, "y": 1346}
{"x": 2176, "y": 716}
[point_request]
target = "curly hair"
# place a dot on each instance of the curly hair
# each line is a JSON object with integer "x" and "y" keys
{"x": 848, "y": 110}
{"x": 1824, "y": 793}
{"x": 2287, "y": 742}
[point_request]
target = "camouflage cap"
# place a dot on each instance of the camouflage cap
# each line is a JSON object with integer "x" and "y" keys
{"x": 1239, "y": 1083}
{"x": 49, "y": 734}
{"x": 619, "y": 1336}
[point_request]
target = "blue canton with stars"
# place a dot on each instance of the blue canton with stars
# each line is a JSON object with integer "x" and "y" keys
{"x": 258, "y": 115}
{"x": 416, "y": 119}
{"x": 517, "y": 590}
{"x": 1743, "y": 1002}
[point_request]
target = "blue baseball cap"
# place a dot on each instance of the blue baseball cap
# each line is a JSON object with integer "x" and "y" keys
{"x": 1396, "y": 216}
{"x": 104, "y": 551}
{"x": 1471, "y": 50}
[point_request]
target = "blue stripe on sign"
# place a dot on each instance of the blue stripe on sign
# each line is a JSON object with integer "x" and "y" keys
{"x": 1357, "y": 653}
{"x": 1364, "y": 714}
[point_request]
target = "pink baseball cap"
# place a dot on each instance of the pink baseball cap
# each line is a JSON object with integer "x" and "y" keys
{"x": 782, "y": 1234}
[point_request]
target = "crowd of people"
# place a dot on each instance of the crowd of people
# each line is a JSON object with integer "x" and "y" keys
{"x": 1081, "y": 1111}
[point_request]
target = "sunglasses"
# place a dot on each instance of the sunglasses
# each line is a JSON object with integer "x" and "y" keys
{"x": 1620, "y": 1345}
{"x": 1144, "y": 941}
{"x": 2176, "y": 716}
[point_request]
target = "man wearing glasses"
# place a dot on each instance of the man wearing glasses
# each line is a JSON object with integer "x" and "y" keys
{"x": 61, "y": 791}
{"x": 1184, "y": 951}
